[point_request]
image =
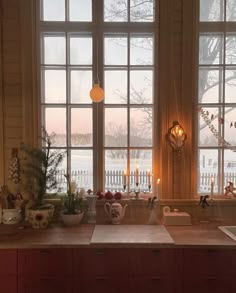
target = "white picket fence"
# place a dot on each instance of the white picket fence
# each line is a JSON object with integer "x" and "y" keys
{"x": 114, "y": 180}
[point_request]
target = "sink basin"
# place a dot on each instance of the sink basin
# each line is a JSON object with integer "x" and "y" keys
{"x": 229, "y": 230}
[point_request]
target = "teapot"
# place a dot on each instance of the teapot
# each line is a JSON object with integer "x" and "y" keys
{"x": 115, "y": 212}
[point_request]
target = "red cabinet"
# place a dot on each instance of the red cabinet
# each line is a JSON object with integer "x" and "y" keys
{"x": 8, "y": 270}
{"x": 207, "y": 270}
{"x": 45, "y": 270}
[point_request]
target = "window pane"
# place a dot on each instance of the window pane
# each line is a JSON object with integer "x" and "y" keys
{"x": 81, "y": 50}
{"x": 141, "y": 86}
{"x": 115, "y": 10}
{"x": 141, "y": 51}
{"x": 54, "y": 50}
{"x": 230, "y": 54}
{"x": 230, "y": 125}
{"x": 80, "y": 10}
{"x": 208, "y": 122}
{"x": 116, "y": 127}
{"x": 82, "y": 168}
{"x": 211, "y": 10}
{"x": 230, "y": 86}
{"x": 115, "y": 50}
{"x": 55, "y": 86}
{"x": 142, "y": 159}
{"x": 229, "y": 167}
{"x": 210, "y": 49}
{"x": 53, "y": 10}
{"x": 141, "y": 11}
{"x": 81, "y": 84}
{"x": 115, "y": 164}
{"x": 230, "y": 10}
{"x": 116, "y": 86}
{"x": 55, "y": 121}
{"x": 141, "y": 127}
{"x": 208, "y": 166}
{"x": 210, "y": 86}
{"x": 81, "y": 127}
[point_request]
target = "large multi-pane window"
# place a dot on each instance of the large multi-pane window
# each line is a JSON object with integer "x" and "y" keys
{"x": 217, "y": 94}
{"x": 115, "y": 40}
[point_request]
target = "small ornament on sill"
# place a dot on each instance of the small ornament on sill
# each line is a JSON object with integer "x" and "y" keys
{"x": 14, "y": 169}
{"x": 230, "y": 189}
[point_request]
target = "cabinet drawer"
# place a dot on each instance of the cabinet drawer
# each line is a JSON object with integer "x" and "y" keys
{"x": 207, "y": 285}
{"x": 155, "y": 284}
{"x": 45, "y": 285}
{"x": 100, "y": 262}
{"x": 8, "y": 284}
{"x": 8, "y": 261}
{"x": 156, "y": 261}
{"x": 102, "y": 284}
{"x": 207, "y": 262}
{"x": 47, "y": 262}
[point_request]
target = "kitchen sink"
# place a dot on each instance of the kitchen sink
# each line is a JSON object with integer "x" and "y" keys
{"x": 229, "y": 230}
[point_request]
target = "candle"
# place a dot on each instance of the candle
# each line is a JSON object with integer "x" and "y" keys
{"x": 136, "y": 175}
{"x": 149, "y": 177}
{"x": 124, "y": 177}
{"x": 212, "y": 185}
{"x": 158, "y": 188}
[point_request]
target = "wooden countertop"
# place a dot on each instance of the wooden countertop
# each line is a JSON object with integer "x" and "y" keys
{"x": 87, "y": 235}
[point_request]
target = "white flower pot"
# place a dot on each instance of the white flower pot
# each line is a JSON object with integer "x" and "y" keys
{"x": 71, "y": 220}
{"x": 11, "y": 216}
{"x": 40, "y": 218}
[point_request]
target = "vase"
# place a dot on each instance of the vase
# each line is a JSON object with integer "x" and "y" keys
{"x": 152, "y": 220}
{"x": 40, "y": 218}
{"x": 71, "y": 220}
{"x": 91, "y": 208}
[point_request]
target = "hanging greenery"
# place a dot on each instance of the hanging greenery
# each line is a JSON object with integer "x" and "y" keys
{"x": 205, "y": 116}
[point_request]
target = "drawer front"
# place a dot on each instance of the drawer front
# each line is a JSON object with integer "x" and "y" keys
{"x": 207, "y": 262}
{"x": 155, "y": 284}
{"x": 45, "y": 285}
{"x": 100, "y": 262}
{"x": 207, "y": 285}
{"x": 102, "y": 284}
{"x": 45, "y": 262}
{"x": 8, "y": 260}
{"x": 156, "y": 261}
{"x": 8, "y": 284}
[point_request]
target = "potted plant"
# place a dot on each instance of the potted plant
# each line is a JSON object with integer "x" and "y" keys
{"x": 72, "y": 212}
{"x": 39, "y": 172}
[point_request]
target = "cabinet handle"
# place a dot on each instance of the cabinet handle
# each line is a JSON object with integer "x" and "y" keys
{"x": 155, "y": 278}
{"x": 156, "y": 251}
{"x": 211, "y": 251}
{"x": 211, "y": 278}
{"x": 45, "y": 251}
{"x": 100, "y": 251}
{"x": 101, "y": 278}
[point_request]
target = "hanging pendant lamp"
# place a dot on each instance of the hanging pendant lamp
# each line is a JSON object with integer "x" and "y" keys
{"x": 96, "y": 93}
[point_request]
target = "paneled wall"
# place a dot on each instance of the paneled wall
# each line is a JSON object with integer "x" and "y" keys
{"x": 19, "y": 111}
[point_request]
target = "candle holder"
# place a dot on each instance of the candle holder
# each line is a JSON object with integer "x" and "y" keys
{"x": 149, "y": 188}
{"x": 137, "y": 192}
{"x": 124, "y": 187}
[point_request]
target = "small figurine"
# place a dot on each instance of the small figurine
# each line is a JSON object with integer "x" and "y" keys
{"x": 230, "y": 189}
{"x": 203, "y": 201}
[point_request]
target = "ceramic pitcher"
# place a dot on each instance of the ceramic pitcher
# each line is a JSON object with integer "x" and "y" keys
{"x": 115, "y": 212}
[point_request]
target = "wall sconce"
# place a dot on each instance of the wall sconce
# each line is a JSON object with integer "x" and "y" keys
{"x": 176, "y": 136}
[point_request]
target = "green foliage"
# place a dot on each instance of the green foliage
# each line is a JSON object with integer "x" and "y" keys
{"x": 40, "y": 167}
{"x": 72, "y": 203}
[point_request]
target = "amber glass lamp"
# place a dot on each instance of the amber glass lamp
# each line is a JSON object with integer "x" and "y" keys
{"x": 96, "y": 93}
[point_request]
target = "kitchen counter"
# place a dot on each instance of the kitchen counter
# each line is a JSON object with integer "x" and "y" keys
{"x": 88, "y": 235}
